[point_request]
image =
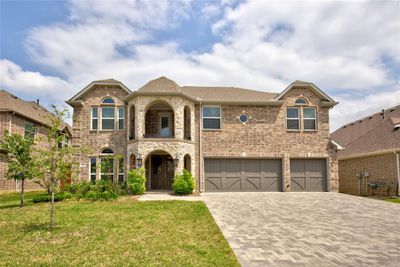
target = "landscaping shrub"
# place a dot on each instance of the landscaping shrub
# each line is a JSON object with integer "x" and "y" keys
{"x": 136, "y": 182}
{"x": 184, "y": 183}
{"x": 47, "y": 198}
{"x": 99, "y": 190}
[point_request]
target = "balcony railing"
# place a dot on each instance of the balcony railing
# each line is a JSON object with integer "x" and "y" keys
{"x": 158, "y": 136}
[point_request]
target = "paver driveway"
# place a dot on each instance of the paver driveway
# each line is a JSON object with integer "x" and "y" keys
{"x": 308, "y": 229}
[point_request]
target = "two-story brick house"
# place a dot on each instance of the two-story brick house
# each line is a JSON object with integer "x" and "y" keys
{"x": 29, "y": 119}
{"x": 231, "y": 139}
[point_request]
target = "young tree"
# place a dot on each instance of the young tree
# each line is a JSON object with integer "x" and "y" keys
{"x": 54, "y": 158}
{"x": 20, "y": 164}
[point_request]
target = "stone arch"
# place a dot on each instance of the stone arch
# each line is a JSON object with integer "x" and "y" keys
{"x": 159, "y": 120}
{"x": 160, "y": 170}
{"x": 187, "y": 123}
{"x": 187, "y": 163}
{"x": 132, "y": 124}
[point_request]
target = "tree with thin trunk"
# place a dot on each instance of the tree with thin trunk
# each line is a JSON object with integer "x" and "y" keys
{"x": 55, "y": 158}
{"x": 20, "y": 166}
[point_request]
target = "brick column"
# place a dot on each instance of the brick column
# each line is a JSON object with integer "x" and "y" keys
{"x": 286, "y": 173}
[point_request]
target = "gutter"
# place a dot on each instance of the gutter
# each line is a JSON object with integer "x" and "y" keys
{"x": 374, "y": 153}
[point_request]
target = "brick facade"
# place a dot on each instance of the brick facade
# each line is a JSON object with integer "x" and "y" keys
{"x": 16, "y": 124}
{"x": 263, "y": 136}
{"x": 381, "y": 170}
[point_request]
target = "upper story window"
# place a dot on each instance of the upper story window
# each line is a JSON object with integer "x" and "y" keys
{"x": 107, "y": 118}
{"x": 121, "y": 117}
{"x": 293, "y": 118}
{"x": 30, "y": 130}
{"x": 309, "y": 118}
{"x": 64, "y": 140}
{"x": 108, "y": 100}
{"x": 95, "y": 118}
{"x": 301, "y": 101}
{"x": 107, "y": 151}
{"x": 211, "y": 117}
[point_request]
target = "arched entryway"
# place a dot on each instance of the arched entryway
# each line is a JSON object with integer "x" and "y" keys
{"x": 160, "y": 169}
{"x": 159, "y": 120}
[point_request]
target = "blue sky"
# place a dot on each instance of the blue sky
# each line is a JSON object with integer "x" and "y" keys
{"x": 351, "y": 50}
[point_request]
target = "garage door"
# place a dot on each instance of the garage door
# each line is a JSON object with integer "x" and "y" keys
{"x": 234, "y": 175}
{"x": 308, "y": 175}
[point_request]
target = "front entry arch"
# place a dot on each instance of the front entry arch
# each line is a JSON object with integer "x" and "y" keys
{"x": 160, "y": 170}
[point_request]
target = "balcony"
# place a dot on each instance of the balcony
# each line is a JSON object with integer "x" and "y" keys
{"x": 159, "y": 121}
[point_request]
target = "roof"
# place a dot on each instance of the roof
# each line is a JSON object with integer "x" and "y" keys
{"x": 377, "y": 132}
{"x": 162, "y": 84}
{"x": 315, "y": 88}
{"x": 227, "y": 94}
{"x": 28, "y": 109}
{"x": 75, "y": 99}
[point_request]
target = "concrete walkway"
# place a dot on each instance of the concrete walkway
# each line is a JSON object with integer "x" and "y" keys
{"x": 164, "y": 195}
{"x": 308, "y": 229}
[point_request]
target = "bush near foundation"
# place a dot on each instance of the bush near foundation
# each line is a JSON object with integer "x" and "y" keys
{"x": 184, "y": 183}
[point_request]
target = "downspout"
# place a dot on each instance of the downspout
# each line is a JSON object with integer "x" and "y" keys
{"x": 201, "y": 173}
{"x": 398, "y": 172}
{"x": 9, "y": 132}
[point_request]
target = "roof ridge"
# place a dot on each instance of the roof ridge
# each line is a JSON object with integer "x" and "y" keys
{"x": 371, "y": 115}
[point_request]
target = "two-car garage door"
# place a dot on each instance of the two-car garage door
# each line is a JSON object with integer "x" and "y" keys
{"x": 246, "y": 175}
{"x": 243, "y": 175}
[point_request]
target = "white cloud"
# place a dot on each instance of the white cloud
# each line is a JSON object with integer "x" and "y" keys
{"x": 264, "y": 45}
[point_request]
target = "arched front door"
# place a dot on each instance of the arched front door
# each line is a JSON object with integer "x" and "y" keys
{"x": 160, "y": 171}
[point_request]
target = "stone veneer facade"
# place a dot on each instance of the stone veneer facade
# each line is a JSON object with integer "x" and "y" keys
{"x": 264, "y": 136}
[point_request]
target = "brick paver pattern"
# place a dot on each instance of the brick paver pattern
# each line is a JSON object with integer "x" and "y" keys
{"x": 308, "y": 229}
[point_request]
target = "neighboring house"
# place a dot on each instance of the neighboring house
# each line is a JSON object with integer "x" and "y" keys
{"x": 369, "y": 162}
{"x": 231, "y": 139}
{"x": 29, "y": 119}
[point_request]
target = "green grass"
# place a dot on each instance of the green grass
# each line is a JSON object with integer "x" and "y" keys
{"x": 10, "y": 200}
{"x": 116, "y": 233}
{"x": 393, "y": 200}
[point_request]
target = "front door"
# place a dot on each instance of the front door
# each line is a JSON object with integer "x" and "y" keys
{"x": 162, "y": 172}
{"x": 165, "y": 125}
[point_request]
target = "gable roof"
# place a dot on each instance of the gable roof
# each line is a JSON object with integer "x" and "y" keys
{"x": 377, "y": 132}
{"x": 75, "y": 99}
{"x": 328, "y": 100}
{"x": 28, "y": 109}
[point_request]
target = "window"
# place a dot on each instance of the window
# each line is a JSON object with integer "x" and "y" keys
{"x": 300, "y": 101}
{"x": 107, "y": 118}
{"x": 107, "y": 168}
{"x": 211, "y": 118}
{"x": 292, "y": 118}
{"x": 95, "y": 118}
{"x": 309, "y": 118}
{"x": 244, "y": 118}
{"x": 120, "y": 170}
{"x": 108, "y": 100}
{"x": 92, "y": 169}
{"x": 107, "y": 151}
{"x": 64, "y": 141}
{"x": 121, "y": 116}
{"x": 30, "y": 130}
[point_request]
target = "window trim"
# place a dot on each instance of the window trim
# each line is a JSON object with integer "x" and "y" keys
{"x": 92, "y": 118}
{"x": 301, "y": 104}
{"x": 119, "y": 171}
{"x": 90, "y": 169}
{"x": 34, "y": 129}
{"x": 108, "y": 97}
{"x": 315, "y": 119}
{"x": 119, "y": 118}
{"x": 298, "y": 119}
{"x": 215, "y": 118}
{"x": 102, "y": 118}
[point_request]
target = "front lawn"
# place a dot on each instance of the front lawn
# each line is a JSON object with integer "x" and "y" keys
{"x": 393, "y": 200}
{"x": 116, "y": 233}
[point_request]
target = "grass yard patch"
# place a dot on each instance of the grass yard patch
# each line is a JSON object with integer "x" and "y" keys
{"x": 393, "y": 200}
{"x": 122, "y": 232}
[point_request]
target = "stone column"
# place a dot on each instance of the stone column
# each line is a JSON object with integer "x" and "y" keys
{"x": 179, "y": 121}
{"x": 286, "y": 173}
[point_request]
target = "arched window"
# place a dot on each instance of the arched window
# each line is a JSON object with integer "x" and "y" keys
{"x": 107, "y": 151}
{"x": 300, "y": 101}
{"x": 108, "y": 100}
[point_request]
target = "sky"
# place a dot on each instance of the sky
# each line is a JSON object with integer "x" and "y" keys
{"x": 50, "y": 50}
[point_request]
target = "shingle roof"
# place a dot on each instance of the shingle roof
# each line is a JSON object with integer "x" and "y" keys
{"x": 161, "y": 84}
{"x": 373, "y": 133}
{"x": 29, "y": 109}
{"x": 233, "y": 94}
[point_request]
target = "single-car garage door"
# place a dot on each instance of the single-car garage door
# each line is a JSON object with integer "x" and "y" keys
{"x": 233, "y": 175}
{"x": 308, "y": 175}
